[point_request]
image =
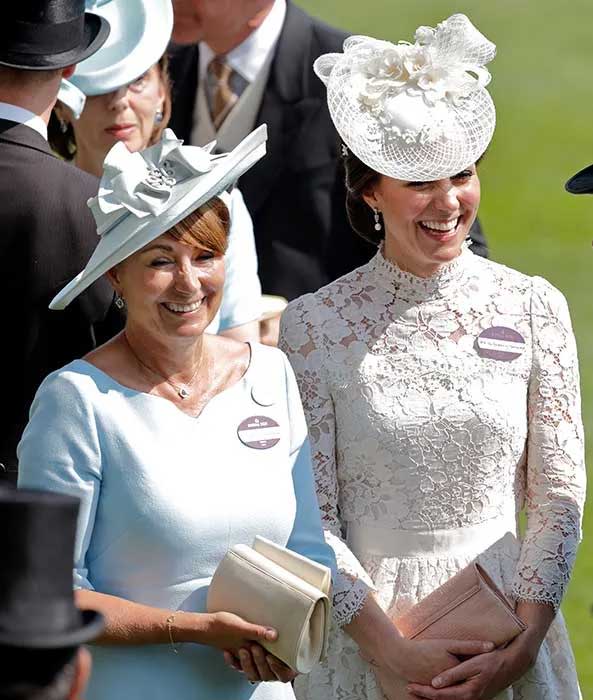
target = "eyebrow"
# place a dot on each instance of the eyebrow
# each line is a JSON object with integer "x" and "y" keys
{"x": 159, "y": 246}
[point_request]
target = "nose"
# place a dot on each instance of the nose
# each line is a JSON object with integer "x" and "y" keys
{"x": 446, "y": 196}
{"x": 118, "y": 99}
{"x": 187, "y": 279}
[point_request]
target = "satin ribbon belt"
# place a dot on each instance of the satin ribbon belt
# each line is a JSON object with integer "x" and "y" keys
{"x": 383, "y": 541}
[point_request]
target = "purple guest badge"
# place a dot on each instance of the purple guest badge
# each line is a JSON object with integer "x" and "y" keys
{"x": 259, "y": 432}
{"x": 500, "y": 343}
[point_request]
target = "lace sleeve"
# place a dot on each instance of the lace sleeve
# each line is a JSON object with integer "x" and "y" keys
{"x": 555, "y": 454}
{"x": 300, "y": 338}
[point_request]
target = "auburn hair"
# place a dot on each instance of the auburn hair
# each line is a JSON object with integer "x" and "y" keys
{"x": 207, "y": 227}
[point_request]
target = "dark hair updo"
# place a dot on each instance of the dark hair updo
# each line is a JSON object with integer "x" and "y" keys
{"x": 359, "y": 179}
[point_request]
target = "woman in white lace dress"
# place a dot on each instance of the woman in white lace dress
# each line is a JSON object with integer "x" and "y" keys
{"x": 441, "y": 389}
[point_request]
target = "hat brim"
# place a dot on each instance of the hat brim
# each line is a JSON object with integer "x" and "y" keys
{"x": 92, "y": 624}
{"x": 96, "y": 31}
{"x": 132, "y": 233}
{"x": 582, "y": 182}
{"x": 127, "y": 54}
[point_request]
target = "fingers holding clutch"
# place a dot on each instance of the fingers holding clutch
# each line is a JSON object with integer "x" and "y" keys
{"x": 284, "y": 673}
{"x": 258, "y": 665}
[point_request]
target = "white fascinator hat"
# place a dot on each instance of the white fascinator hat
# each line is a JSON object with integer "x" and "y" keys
{"x": 139, "y": 36}
{"x": 144, "y": 194}
{"x": 416, "y": 111}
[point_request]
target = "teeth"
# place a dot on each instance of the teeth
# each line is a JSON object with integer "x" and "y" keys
{"x": 441, "y": 225}
{"x": 183, "y": 308}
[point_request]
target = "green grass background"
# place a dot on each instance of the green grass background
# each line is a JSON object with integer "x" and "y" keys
{"x": 543, "y": 89}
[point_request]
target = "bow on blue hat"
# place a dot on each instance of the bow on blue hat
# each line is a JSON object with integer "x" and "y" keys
{"x": 142, "y": 183}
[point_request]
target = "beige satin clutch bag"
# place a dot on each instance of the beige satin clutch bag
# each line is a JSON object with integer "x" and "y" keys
{"x": 267, "y": 584}
{"x": 469, "y": 606}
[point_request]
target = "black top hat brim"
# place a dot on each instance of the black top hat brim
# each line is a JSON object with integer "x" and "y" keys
{"x": 92, "y": 624}
{"x": 582, "y": 182}
{"x": 96, "y": 31}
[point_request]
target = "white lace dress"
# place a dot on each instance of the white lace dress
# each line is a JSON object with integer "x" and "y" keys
{"x": 437, "y": 409}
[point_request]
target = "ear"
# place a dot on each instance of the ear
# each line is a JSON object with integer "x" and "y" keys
{"x": 83, "y": 663}
{"x": 370, "y": 199}
{"x": 114, "y": 279}
{"x": 162, "y": 88}
{"x": 262, "y": 11}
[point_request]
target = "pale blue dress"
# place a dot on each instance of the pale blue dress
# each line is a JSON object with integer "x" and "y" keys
{"x": 163, "y": 496}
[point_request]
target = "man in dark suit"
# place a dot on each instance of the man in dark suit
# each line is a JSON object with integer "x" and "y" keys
{"x": 296, "y": 194}
{"x": 48, "y": 233}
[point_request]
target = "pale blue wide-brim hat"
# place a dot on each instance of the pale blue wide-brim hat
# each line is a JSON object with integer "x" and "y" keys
{"x": 144, "y": 194}
{"x": 140, "y": 33}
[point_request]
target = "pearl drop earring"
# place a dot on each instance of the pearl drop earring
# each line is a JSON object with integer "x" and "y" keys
{"x": 377, "y": 220}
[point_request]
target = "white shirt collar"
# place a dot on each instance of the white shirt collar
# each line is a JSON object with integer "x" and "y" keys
{"x": 250, "y": 56}
{"x": 20, "y": 115}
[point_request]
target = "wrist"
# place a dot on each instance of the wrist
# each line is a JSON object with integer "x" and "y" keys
{"x": 522, "y": 652}
{"x": 394, "y": 655}
{"x": 190, "y": 627}
{"x": 378, "y": 639}
{"x": 389, "y": 650}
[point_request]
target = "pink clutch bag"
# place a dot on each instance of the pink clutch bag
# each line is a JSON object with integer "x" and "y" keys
{"x": 468, "y": 606}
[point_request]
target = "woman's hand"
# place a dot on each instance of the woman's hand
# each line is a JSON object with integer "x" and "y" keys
{"x": 396, "y": 658}
{"x": 484, "y": 676}
{"x": 227, "y": 631}
{"x": 479, "y": 678}
{"x": 420, "y": 660}
{"x": 258, "y": 665}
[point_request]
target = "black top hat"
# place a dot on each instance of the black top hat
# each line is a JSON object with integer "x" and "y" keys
{"x": 37, "y": 608}
{"x": 48, "y": 34}
{"x": 582, "y": 182}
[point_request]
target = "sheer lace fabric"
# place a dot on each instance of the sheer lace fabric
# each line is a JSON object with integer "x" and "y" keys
{"x": 412, "y": 429}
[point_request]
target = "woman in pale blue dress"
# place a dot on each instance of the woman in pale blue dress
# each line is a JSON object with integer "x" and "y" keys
{"x": 178, "y": 443}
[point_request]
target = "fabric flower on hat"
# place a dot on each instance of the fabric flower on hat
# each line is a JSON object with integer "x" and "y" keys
{"x": 430, "y": 68}
{"x": 390, "y": 101}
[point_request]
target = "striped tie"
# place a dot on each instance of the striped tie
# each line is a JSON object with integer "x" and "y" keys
{"x": 222, "y": 97}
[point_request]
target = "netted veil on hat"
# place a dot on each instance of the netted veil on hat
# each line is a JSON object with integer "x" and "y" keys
{"x": 416, "y": 111}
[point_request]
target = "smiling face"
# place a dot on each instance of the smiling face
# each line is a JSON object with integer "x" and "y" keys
{"x": 173, "y": 286}
{"x": 426, "y": 222}
{"x": 171, "y": 289}
{"x": 127, "y": 114}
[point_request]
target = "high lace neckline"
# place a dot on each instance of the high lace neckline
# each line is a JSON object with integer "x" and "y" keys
{"x": 447, "y": 279}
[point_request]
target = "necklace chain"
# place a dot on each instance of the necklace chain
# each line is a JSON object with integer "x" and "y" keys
{"x": 182, "y": 391}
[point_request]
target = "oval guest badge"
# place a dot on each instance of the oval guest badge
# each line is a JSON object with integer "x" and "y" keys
{"x": 259, "y": 432}
{"x": 500, "y": 343}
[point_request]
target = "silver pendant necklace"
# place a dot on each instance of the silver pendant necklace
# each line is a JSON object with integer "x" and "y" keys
{"x": 182, "y": 391}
